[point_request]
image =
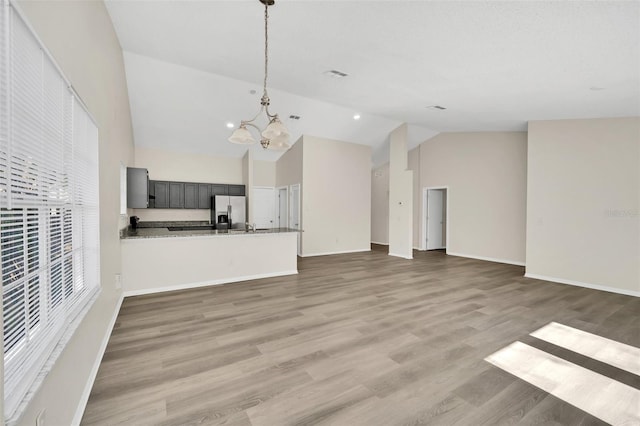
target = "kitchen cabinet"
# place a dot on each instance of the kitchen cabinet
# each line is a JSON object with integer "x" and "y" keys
{"x": 191, "y": 199}
{"x": 176, "y": 195}
{"x": 188, "y": 195}
{"x": 236, "y": 190}
{"x": 161, "y": 194}
{"x": 217, "y": 189}
{"x": 204, "y": 196}
{"x": 137, "y": 188}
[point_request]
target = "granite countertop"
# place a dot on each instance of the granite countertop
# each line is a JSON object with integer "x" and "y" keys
{"x": 161, "y": 230}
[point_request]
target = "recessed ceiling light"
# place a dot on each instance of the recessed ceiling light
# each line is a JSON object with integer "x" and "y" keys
{"x": 439, "y": 107}
{"x": 231, "y": 125}
{"x": 356, "y": 117}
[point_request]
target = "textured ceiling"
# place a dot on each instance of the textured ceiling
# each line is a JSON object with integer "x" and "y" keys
{"x": 493, "y": 65}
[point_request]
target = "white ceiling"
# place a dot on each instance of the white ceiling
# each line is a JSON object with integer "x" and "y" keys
{"x": 493, "y": 65}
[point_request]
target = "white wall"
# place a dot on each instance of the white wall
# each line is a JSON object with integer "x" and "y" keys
{"x": 400, "y": 196}
{"x": 380, "y": 204}
{"x": 583, "y": 210}
{"x": 264, "y": 173}
{"x": 289, "y": 165}
{"x": 81, "y": 38}
{"x": 486, "y": 174}
{"x": 185, "y": 167}
{"x": 336, "y": 201}
{"x": 150, "y": 265}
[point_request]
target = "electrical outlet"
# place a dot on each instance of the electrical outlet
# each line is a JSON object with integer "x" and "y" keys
{"x": 40, "y": 418}
{"x": 118, "y": 281}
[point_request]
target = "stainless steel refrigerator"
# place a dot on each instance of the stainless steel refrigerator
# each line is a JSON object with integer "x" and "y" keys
{"x": 228, "y": 211}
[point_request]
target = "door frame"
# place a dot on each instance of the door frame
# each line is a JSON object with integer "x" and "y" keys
{"x": 425, "y": 205}
{"x": 277, "y": 195}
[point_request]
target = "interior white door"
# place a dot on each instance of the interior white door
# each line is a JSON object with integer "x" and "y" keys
{"x": 264, "y": 207}
{"x": 294, "y": 210}
{"x": 434, "y": 219}
{"x": 283, "y": 214}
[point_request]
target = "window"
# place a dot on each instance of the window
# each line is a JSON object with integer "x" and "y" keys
{"x": 49, "y": 238}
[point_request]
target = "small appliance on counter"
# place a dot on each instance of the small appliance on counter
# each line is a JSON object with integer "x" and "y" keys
{"x": 223, "y": 221}
{"x": 133, "y": 221}
{"x": 228, "y": 212}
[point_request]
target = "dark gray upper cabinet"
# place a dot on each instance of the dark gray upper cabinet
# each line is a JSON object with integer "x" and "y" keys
{"x": 137, "y": 188}
{"x": 176, "y": 195}
{"x": 236, "y": 190}
{"x": 217, "y": 189}
{"x": 191, "y": 196}
{"x": 204, "y": 196}
{"x": 187, "y": 195}
{"x": 161, "y": 194}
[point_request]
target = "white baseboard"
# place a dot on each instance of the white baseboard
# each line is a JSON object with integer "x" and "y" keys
{"x": 328, "y": 253}
{"x": 380, "y": 244}
{"x": 77, "y": 418}
{"x": 489, "y": 259}
{"x": 206, "y": 283}
{"x": 401, "y": 255}
{"x": 585, "y": 285}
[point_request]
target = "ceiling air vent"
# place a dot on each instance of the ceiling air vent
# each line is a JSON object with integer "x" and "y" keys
{"x": 335, "y": 74}
{"x": 294, "y": 117}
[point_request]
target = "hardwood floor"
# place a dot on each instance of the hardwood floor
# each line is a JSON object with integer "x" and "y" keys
{"x": 356, "y": 339}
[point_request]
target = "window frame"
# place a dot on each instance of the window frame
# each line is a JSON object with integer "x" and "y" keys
{"x": 67, "y": 268}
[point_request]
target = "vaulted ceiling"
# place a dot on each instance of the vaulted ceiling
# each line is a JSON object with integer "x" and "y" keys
{"x": 493, "y": 65}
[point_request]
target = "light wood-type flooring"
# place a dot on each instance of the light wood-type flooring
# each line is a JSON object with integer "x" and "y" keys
{"x": 354, "y": 339}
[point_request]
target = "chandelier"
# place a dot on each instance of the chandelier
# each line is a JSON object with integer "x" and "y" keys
{"x": 275, "y": 136}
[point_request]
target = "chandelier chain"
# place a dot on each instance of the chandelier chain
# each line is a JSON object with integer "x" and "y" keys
{"x": 275, "y": 128}
{"x": 266, "y": 46}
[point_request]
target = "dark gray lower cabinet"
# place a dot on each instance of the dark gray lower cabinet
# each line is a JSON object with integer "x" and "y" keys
{"x": 176, "y": 195}
{"x": 191, "y": 196}
{"x": 204, "y": 196}
{"x": 161, "y": 194}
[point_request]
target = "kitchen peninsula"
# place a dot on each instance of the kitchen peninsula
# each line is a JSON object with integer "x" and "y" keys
{"x": 166, "y": 256}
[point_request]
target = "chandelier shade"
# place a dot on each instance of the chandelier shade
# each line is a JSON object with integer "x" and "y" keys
{"x": 242, "y": 136}
{"x": 275, "y": 136}
{"x": 276, "y": 129}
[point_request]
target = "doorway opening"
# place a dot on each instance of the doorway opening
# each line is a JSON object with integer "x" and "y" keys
{"x": 435, "y": 208}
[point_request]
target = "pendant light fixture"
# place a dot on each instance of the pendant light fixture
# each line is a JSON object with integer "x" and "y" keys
{"x": 275, "y": 136}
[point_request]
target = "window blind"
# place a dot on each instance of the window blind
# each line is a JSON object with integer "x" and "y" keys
{"x": 49, "y": 212}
